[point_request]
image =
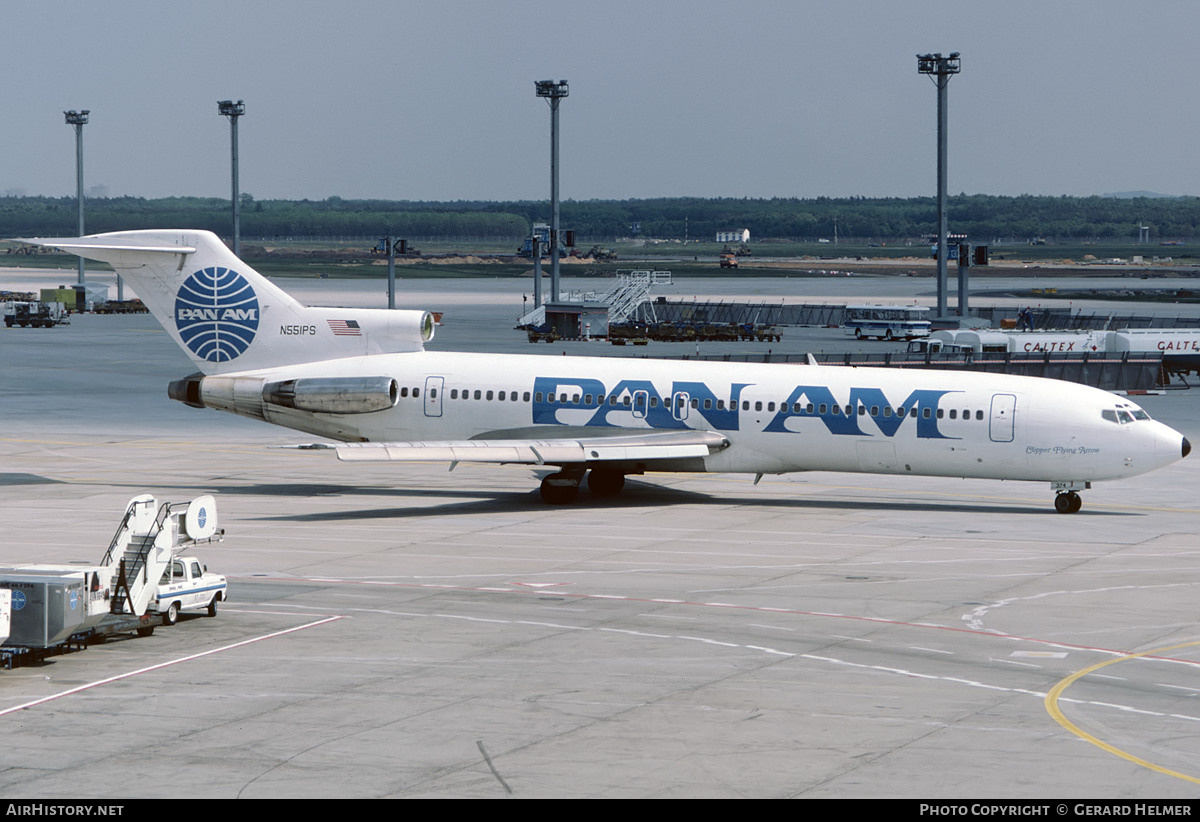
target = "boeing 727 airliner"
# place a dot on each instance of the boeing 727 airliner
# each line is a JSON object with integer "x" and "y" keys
{"x": 361, "y": 377}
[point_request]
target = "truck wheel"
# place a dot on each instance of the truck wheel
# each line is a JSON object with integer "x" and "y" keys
{"x": 147, "y": 630}
{"x": 212, "y": 606}
{"x": 172, "y": 614}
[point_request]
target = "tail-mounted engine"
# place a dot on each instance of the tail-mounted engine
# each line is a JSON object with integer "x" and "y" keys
{"x": 255, "y": 397}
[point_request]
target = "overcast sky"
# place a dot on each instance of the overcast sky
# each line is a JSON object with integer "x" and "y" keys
{"x": 758, "y": 98}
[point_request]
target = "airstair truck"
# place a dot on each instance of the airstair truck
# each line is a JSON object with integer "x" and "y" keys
{"x": 66, "y": 606}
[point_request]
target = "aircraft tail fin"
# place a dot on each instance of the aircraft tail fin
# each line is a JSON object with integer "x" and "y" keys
{"x": 226, "y": 316}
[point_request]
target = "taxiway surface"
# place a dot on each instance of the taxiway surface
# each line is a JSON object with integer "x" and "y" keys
{"x": 401, "y": 630}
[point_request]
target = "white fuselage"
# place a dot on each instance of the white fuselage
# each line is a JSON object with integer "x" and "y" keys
{"x": 777, "y": 418}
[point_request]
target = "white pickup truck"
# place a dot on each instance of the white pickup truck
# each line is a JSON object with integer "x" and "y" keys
{"x": 188, "y": 586}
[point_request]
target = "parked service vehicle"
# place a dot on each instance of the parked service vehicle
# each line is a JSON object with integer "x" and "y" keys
{"x": 187, "y": 585}
{"x": 36, "y": 314}
{"x": 887, "y": 322}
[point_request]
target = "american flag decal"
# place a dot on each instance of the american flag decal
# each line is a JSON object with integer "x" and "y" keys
{"x": 344, "y": 328}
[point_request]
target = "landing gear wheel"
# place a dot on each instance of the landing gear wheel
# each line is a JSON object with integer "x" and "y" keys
{"x": 604, "y": 482}
{"x": 1068, "y": 503}
{"x": 559, "y": 489}
{"x": 172, "y": 614}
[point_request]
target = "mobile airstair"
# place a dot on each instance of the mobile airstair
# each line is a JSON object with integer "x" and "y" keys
{"x": 631, "y": 289}
{"x": 147, "y": 540}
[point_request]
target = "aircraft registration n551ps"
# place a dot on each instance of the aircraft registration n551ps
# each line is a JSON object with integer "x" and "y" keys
{"x": 362, "y": 377}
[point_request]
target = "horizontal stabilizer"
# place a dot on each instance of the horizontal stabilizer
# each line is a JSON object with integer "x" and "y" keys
{"x": 83, "y": 245}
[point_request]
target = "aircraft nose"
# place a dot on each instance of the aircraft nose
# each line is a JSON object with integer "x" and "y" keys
{"x": 1187, "y": 447}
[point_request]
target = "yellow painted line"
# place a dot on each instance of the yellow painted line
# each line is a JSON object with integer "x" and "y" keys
{"x": 1052, "y": 708}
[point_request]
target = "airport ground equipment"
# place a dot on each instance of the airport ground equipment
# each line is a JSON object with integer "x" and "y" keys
{"x": 188, "y": 585}
{"x": 35, "y": 313}
{"x": 1179, "y": 348}
{"x": 134, "y": 306}
{"x": 627, "y": 294}
{"x": 58, "y": 608}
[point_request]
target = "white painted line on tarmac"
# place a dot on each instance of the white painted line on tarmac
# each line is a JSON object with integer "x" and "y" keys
{"x": 161, "y": 665}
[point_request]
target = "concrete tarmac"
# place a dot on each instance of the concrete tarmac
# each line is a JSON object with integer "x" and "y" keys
{"x": 398, "y": 630}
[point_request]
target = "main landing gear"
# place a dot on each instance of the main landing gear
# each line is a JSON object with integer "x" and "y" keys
{"x": 562, "y": 487}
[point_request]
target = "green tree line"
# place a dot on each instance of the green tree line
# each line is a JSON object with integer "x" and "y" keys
{"x": 982, "y": 217}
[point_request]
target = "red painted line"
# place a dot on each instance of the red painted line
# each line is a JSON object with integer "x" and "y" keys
{"x": 756, "y": 608}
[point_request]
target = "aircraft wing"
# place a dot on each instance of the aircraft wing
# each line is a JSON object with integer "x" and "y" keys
{"x": 642, "y": 446}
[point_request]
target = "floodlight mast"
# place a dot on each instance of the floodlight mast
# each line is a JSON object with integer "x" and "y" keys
{"x": 554, "y": 92}
{"x": 940, "y": 69}
{"x": 233, "y": 111}
{"x": 78, "y": 119}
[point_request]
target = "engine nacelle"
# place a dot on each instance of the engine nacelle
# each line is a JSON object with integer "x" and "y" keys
{"x": 254, "y": 397}
{"x": 333, "y": 395}
{"x": 237, "y": 395}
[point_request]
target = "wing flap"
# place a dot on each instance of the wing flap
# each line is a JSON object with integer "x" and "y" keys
{"x": 649, "y": 446}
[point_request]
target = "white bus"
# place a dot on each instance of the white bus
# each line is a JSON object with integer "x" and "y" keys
{"x": 887, "y": 322}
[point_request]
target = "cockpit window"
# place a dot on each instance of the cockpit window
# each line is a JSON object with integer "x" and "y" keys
{"x": 1133, "y": 410}
{"x": 1124, "y": 414}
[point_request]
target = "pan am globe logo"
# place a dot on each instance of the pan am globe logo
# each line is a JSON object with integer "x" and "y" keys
{"x": 216, "y": 312}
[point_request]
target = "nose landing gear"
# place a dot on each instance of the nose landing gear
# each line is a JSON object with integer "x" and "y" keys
{"x": 1067, "y": 502}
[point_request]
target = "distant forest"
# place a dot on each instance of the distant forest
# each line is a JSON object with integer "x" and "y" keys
{"x": 983, "y": 218}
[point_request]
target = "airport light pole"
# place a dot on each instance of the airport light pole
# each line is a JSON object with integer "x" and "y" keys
{"x": 233, "y": 111}
{"x": 941, "y": 69}
{"x": 79, "y": 120}
{"x": 554, "y": 93}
